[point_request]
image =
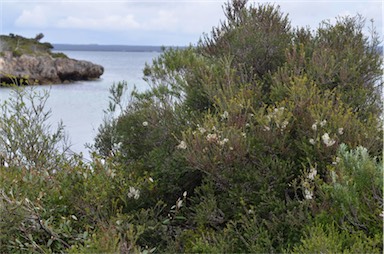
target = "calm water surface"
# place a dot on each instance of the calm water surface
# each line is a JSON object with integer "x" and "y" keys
{"x": 80, "y": 105}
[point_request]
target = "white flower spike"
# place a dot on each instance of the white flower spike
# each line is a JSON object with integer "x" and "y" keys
{"x": 327, "y": 140}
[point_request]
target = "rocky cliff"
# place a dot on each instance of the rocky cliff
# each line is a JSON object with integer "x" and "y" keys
{"x": 45, "y": 69}
{"x": 28, "y": 59}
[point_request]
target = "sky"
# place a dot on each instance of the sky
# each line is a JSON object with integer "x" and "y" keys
{"x": 158, "y": 23}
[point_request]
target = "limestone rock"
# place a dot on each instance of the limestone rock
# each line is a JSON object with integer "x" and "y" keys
{"x": 45, "y": 69}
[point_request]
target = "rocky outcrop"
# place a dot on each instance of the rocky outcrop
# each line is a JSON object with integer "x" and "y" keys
{"x": 45, "y": 69}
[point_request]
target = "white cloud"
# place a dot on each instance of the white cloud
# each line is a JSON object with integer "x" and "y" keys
{"x": 199, "y": 17}
{"x": 186, "y": 20}
{"x": 113, "y": 22}
{"x": 35, "y": 17}
{"x": 164, "y": 20}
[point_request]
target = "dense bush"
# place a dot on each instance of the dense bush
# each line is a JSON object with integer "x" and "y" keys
{"x": 260, "y": 139}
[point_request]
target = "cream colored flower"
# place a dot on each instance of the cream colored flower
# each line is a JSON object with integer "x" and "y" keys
{"x": 145, "y": 123}
{"x": 284, "y": 124}
{"x": 201, "y": 130}
{"x": 340, "y": 131}
{"x": 308, "y": 194}
{"x": 314, "y": 126}
{"x": 179, "y": 203}
{"x": 327, "y": 140}
{"x": 323, "y": 123}
{"x": 182, "y": 145}
{"x": 312, "y": 174}
{"x": 133, "y": 193}
{"x": 337, "y": 160}
{"x": 312, "y": 141}
{"x": 266, "y": 128}
{"x": 225, "y": 115}
{"x": 224, "y": 141}
{"x": 212, "y": 138}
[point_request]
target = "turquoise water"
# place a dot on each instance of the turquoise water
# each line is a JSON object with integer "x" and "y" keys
{"x": 80, "y": 105}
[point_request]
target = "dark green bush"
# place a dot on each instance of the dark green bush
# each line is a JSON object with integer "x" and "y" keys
{"x": 261, "y": 139}
{"x": 59, "y": 55}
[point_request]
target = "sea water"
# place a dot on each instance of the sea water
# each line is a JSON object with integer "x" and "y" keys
{"x": 81, "y": 105}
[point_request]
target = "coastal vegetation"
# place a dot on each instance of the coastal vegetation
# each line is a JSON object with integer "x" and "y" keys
{"x": 263, "y": 138}
{"x": 20, "y": 45}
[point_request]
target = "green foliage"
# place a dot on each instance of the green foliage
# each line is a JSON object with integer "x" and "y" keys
{"x": 255, "y": 36}
{"x": 328, "y": 57}
{"x": 261, "y": 139}
{"x": 20, "y": 45}
{"x": 328, "y": 239}
{"x": 26, "y": 139}
{"x": 356, "y": 191}
{"x": 348, "y": 216}
{"x": 59, "y": 55}
{"x": 39, "y": 36}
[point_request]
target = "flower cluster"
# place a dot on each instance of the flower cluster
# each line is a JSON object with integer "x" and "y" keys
{"x": 278, "y": 117}
{"x": 212, "y": 138}
{"x": 336, "y": 161}
{"x": 182, "y": 145}
{"x": 308, "y": 194}
{"x": 312, "y": 174}
{"x": 327, "y": 140}
{"x": 179, "y": 201}
{"x": 133, "y": 193}
{"x": 224, "y": 116}
{"x": 116, "y": 147}
{"x": 201, "y": 130}
{"x": 223, "y": 142}
{"x": 322, "y": 124}
{"x": 308, "y": 190}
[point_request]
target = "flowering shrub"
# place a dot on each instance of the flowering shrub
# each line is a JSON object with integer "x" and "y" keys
{"x": 260, "y": 139}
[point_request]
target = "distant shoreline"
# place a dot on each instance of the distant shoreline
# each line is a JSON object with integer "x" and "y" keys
{"x": 115, "y": 48}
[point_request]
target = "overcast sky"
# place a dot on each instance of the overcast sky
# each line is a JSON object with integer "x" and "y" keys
{"x": 150, "y": 22}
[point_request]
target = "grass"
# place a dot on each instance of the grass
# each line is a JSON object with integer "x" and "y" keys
{"x": 20, "y": 45}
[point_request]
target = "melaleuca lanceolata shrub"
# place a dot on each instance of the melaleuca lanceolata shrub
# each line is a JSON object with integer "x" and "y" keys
{"x": 259, "y": 139}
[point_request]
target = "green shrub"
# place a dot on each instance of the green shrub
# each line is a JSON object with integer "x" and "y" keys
{"x": 328, "y": 57}
{"x": 354, "y": 191}
{"x": 329, "y": 239}
{"x": 59, "y": 55}
{"x": 247, "y": 119}
{"x": 16, "y": 53}
{"x": 250, "y": 142}
{"x": 255, "y": 36}
{"x": 26, "y": 139}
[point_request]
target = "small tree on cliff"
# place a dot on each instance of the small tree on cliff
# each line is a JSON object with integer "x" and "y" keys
{"x": 39, "y": 36}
